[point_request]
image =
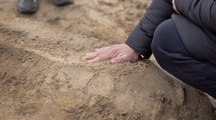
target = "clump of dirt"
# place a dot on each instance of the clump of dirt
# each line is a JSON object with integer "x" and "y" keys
{"x": 43, "y": 75}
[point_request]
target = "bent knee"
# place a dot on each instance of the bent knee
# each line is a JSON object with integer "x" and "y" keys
{"x": 164, "y": 37}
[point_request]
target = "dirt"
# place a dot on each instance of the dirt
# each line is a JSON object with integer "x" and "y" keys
{"x": 43, "y": 75}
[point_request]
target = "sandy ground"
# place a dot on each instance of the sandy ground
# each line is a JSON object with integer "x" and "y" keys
{"x": 43, "y": 75}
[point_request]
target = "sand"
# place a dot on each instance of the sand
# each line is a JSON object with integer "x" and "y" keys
{"x": 43, "y": 75}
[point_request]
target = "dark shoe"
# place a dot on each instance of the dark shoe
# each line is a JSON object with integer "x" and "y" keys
{"x": 27, "y": 6}
{"x": 62, "y": 2}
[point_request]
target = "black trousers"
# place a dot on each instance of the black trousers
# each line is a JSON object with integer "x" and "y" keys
{"x": 172, "y": 56}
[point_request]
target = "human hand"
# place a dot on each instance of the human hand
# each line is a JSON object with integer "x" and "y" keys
{"x": 116, "y": 53}
{"x": 174, "y": 7}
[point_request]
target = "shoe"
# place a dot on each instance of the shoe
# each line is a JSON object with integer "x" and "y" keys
{"x": 62, "y": 2}
{"x": 28, "y": 6}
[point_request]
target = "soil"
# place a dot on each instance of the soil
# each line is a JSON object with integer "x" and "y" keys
{"x": 43, "y": 75}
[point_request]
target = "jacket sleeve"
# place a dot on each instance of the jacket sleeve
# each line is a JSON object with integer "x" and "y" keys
{"x": 201, "y": 12}
{"x": 141, "y": 37}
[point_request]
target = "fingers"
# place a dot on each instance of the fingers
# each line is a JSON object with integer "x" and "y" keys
{"x": 103, "y": 49}
{"x": 120, "y": 59}
{"x": 97, "y": 52}
{"x": 96, "y": 59}
{"x": 91, "y": 55}
{"x": 99, "y": 55}
{"x": 99, "y": 58}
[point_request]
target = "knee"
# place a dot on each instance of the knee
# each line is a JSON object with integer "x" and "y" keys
{"x": 158, "y": 39}
{"x": 163, "y": 37}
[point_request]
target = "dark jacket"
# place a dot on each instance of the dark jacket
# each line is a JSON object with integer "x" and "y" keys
{"x": 196, "y": 26}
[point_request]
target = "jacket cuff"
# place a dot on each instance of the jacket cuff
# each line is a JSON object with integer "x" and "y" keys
{"x": 139, "y": 42}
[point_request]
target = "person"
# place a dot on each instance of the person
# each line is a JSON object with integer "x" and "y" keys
{"x": 31, "y": 6}
{"x": 180, "y": 34}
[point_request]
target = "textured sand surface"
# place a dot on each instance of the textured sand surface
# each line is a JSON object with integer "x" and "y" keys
{"x": 43, "y": 75}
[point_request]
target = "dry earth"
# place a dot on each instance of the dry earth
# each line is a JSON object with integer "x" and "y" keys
{"x": 43, "y": 75}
